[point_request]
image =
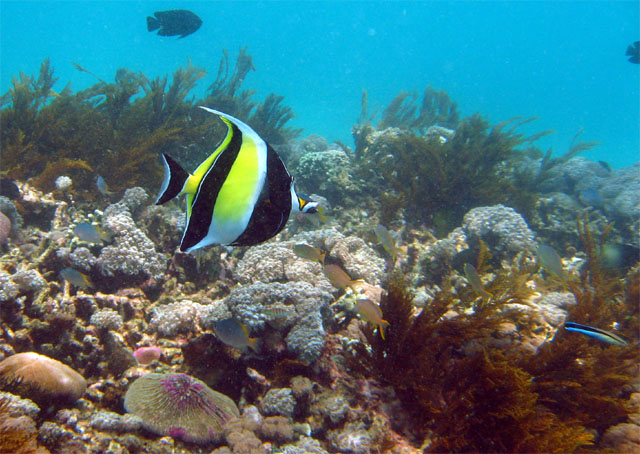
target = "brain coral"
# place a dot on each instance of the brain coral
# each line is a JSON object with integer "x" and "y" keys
{"x": 41, "y": 379}
{"x": 502, "y": 228}
{"x": 179, "y": 406}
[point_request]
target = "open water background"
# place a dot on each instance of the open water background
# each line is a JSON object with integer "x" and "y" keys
{"x": 562, "y": 61}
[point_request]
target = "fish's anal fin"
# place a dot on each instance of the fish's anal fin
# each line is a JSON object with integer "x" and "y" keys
{"x": 175, "y": 178}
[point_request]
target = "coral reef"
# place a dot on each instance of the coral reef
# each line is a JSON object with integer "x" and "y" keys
{"x": 133, "y": 256}
{"x": 503, "y": 230}
{"x": 327, "y": 172}
{"x": 466, "y": 365}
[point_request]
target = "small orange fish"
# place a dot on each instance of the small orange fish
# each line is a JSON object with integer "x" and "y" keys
{"x": 370, "y": 312}
{"x": 337, "y": 276}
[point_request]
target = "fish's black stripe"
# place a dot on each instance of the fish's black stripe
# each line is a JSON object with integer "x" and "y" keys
{"x": 273, "y": 207}
{"x": 205, "y": 199}
{"x": 177, "y": 178}
{"x": 571, "y": 325}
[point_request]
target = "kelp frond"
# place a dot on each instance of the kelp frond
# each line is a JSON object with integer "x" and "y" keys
{"x": 403, "y": 111}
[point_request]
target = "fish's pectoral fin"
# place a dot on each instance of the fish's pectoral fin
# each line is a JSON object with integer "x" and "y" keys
{"x": 175, "y": 178}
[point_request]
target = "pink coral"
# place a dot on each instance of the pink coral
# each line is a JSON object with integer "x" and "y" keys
{"x": 147, "y": 355}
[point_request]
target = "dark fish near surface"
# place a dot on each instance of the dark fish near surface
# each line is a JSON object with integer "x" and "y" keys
{"x": 174, "y": 22}
{"x": 241, "y": 195}
{"x": 633, "y": 52}
{"x": 596, "y": 333}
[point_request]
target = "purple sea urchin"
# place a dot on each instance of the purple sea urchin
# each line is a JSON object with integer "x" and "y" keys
{"x": 179, "y": 406}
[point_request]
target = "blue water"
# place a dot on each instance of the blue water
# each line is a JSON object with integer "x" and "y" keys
{"x": 563, "y": 62}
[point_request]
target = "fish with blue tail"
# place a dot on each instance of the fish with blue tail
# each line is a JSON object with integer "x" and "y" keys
{"x": 596, "y": 333}
{"x": 240, "y": 195}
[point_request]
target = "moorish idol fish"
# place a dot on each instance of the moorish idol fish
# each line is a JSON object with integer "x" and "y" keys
{"x": 241, "y": 195}
{"x": 596, "y": 333}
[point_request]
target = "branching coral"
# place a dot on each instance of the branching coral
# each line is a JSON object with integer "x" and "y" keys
{"x": 17, "y": 435}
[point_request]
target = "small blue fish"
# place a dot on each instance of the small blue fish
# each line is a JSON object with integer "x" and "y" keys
{"x": 592, "y": 198}
{"x": 87, "y": 232}
{"x": 235, "y": 334}
{"x": 596, "y": 333}
{"x": 76, "y": 278}
{"x": 102, "y": 186}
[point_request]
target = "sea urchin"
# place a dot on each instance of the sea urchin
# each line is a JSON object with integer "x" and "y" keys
{"x": 179, "y": 406}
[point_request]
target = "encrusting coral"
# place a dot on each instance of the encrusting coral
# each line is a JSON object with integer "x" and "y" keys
{"x": 41, "y": 378}
{"x": 179, "y": 406}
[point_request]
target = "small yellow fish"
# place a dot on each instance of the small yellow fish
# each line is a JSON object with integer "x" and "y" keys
{"x": 338, "y": 277}
{"x": 476, "y": 283}
{"x": 309, "y": 252}
{"x": 233, "y": 333}
{"x": 387, "y": 241}
{"x": 370, "y": 312}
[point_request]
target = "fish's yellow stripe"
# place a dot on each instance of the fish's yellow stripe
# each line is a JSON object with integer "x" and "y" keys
{"x": 238, "y": 193}
{"x": 207, "y": 163}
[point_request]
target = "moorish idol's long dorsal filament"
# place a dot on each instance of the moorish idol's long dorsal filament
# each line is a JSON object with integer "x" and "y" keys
{"x": 241, "y": 195}
{"x": 596, "y": 333}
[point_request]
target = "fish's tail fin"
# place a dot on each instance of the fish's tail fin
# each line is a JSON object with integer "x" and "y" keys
{"x": 254, "y": 344}
{"x": 152, "y": 23}
{"x": 175, "y": 178}
{"x": 486, "y": 295}
{"x": 382, "y": 327}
